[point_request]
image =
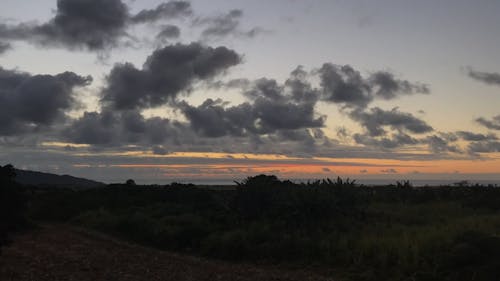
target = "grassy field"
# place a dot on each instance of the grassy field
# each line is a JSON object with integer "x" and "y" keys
{"x": 361, "y": 233}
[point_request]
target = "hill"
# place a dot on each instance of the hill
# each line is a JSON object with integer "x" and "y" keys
{"x": 46, "y": 179}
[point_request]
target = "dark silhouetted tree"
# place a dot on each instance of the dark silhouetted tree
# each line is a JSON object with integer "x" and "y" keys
{"x": 12, "y": 204}
{"x": 7, "y": 173}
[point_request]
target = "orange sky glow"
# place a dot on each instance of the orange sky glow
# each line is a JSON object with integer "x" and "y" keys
{"x": 295, "y": 167}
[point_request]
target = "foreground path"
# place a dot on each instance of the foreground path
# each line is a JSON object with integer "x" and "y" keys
{"x": 59, "y": 252}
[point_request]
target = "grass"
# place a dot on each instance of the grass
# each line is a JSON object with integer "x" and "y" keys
{"x": 362, "y": 233}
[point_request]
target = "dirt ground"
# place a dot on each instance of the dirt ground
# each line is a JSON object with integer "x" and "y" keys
{"x": 60, "y": 252}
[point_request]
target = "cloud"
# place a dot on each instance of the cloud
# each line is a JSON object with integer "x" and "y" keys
{"x": 273, "y": 115}
{"x": 438, "y": 144}
{"x": 298, "y": 135}
{"x": 342, "y": 84}
{"x": 165, "y": 74}
{"x": 441, "y": 144}
{"x": 395, "y": 141}
{"x": 299, "y": 88}
{"x": 92, "y": 128}
{"x": 117, "y": 128}
{"x": 469, "y": 136}
{"x": 343, "y": 133}
{"x": 265, "y": 88}
{"x": 168, "y": 10}
{"x": 160, "y": 150}
{"x": 272, "y": 107}
{"x": 4, "y": 47}
{"x": 264, "y": 116}
{"x": 376, "y": 119}
{"x": 93, "y": 25}
{"x": 131, "y": 131}
{"x": 493, "y": 124}
{"x": 225, "y": 25}
{"x": 168, "y": 32}
{"x": 222, "y": 25}
{"x": 30, "y": 101}
{"x": 286, "y": 112}
{"x": 212, "y": 119}
{"x": 488, "y": 146}
{"x": 16, "y": 32}
{"x": 386, "y": 86}
{"x": 389, "y": 171}
{"x": 490, "y": 78}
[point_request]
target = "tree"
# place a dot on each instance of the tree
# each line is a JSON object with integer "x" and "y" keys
{"x": 12, "y": 204}
{"x": 130, "y": 182}
{"x": 7, "y": 173}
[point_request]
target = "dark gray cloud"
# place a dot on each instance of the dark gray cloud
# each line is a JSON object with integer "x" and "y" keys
{"x": 376, "y": 119}
{"x": 386, "y": 86}
{"x": 238, "y": 83}
{"x": 265, "y": 88}
{"x": 168, "y": 10}
{"x": 273, "y": 107}
{"x": 449, "y": 137}
{"x": 271, "y": 115}
{"x": 295, "y": 89}
{"x": 493, "y": 124}
{"x": 120, "y": 130}
{"x": 307, "y": 140}
{"x": 16, "y": 32}
{"x": 92, "y": 128}
{"x": 344, "y": 85}
{"x": 299, "y": 135}
{"x": 212, "y": 119}
{"x": 117, "y": 128}
{"x": 395, "y": 141}
{"x": 166, "y": 73}
{"x": 93, "y": 25}
{"x": 490, "y": 78}
{"x": 298, "y": 87}
{"x": 4, "y": 47}
{"x": 30, "y": 101}
{"x": 87, "y": 24}
{"x": 439, "y": 144}
{"x": 225, "y": 25}
{"x": 469, "y": 136}
{"x": 488, "y": 146}
{"x": 264, "y": 116}
{"x": 168, "y": 32}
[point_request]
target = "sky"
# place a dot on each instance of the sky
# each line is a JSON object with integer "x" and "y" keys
{"x": 206, "y": 91}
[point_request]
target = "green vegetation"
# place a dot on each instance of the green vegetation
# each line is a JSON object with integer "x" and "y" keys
{"x": 361, "y": 233}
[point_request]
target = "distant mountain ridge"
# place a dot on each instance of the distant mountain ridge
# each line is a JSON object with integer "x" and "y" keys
{"x": 47, "y": 179}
